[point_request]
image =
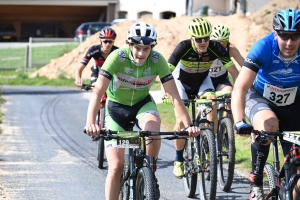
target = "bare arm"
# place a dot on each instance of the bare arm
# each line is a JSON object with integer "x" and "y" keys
{"x": 172, "y": 92}
{"x": 233, "y": 72}
{"x": 78, "y": 73}
{"x": 241, "y": 86}
{"x": 101, "y": 85}
{"x": 235, "y": 53}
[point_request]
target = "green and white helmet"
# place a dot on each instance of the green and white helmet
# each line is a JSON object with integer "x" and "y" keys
{"x": 220, "y": 32}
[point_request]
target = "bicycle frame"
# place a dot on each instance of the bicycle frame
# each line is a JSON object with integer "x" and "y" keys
{"x": 284, "y": 191}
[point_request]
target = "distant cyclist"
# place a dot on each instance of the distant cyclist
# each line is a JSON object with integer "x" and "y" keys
{"x": 127, "y": 76}
{"x": 267, "y": 91}
{"x": 99, "y": 53}
{"x": 190, "y": 63}
{"x": 218, "y": 73}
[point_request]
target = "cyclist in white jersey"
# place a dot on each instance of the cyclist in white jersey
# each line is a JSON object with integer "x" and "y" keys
{"x": 127, "y": 76}
{"x": 218, "y": 73}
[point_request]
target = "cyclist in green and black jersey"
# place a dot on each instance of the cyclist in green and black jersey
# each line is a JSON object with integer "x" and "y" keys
{"x": 190, "y": 63}
{"x": 128, "y": 74}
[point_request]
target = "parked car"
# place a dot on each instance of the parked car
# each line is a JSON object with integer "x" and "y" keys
{"x": 116, "y": 21}
{"x": 81, "y": 32}
{"x": 8, "y": 32}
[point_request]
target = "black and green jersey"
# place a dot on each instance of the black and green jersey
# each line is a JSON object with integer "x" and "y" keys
{"x": 192, "y": 68}
{"x": 131, "y": 83}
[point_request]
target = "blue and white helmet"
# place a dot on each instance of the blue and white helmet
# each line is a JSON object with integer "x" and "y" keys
{"x": 287, "y": 20}
{"x": 142, "y": 33}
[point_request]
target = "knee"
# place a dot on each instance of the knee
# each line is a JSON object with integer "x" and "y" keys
{"x": 115, "y": 169}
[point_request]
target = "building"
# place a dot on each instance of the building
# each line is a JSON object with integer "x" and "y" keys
{"x": 60, "y": 18}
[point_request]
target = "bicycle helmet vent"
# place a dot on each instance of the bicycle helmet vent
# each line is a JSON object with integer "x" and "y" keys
{"x": 287, "y": 20}
{"x": 220, "y": 32}
{"x": 107, "y": 33}
{"x": 142, "y": 33}
{"x": 199, "y": 28}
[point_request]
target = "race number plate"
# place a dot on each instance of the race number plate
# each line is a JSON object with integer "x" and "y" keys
{"x": 128, "y": 142}
{"x": 293, "y": 137}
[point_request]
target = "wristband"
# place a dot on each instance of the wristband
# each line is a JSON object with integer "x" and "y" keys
{"x": 191, "y": 125}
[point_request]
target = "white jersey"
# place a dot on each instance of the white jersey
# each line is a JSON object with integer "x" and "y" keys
{"x": 217, "y": 69}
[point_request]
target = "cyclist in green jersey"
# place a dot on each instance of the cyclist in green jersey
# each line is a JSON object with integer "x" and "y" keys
{"x": 190, "y": 63}
{"x": 127, "y": 76}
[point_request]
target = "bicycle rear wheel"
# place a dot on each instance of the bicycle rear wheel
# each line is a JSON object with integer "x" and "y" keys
{"x": 226, "y": 151}
{"x": 269, "y": 182}
{"x": 190, "y": 167}
{"x": 208, "y": 166}
{"x": 145, "y": 185}
{"x": 101, "y": 154}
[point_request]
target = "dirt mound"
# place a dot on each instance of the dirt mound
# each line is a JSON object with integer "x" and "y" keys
{"x": 245, "y": 31}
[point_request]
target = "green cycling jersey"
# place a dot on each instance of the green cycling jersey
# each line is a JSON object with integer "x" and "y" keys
{"x": 131, "y": 83}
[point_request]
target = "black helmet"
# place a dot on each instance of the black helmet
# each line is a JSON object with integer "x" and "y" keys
{"x": 107, "y": 33}
{"x": 287, "y": 20}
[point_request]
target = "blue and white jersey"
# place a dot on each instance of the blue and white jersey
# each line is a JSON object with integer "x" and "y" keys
{"x": 277, "y": 79}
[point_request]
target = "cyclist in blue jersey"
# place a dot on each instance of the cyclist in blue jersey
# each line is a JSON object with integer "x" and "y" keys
{"x": 127, "y": 76}
{"x": 99, "y": 53}
{"x": 266, "y": 90}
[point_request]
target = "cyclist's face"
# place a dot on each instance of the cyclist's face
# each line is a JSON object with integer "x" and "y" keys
{"x": 140, "y": 53}
{"x": 288, "y": 43}
{"x": 201, "y": 44}
{"x": 107, "y": 44}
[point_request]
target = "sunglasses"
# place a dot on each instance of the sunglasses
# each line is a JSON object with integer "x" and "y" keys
{"x": 107, "y": 41}
{"x": 141, "y": 40}
{"x": 285, "y": 36}
{"x": 200, "y": 40}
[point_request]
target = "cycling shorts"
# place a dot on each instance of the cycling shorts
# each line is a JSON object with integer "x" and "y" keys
{"x": 220, "y": 82}
{"x": 185, "y": 91}
{"x": 285, "y": 114}
{"x": 118, "y": 116}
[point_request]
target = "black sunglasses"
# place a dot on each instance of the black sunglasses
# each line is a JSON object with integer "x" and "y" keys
{"x": 107, "y": 41}
{"x": 204, "y": 39}
{"x": 285, "y": 36}
{"x": 141, "y": 40}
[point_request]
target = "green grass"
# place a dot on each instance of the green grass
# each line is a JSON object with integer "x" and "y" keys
{"x": 15, "y": 57}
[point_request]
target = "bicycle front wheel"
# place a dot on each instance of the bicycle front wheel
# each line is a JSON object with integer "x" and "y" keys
{"x": 208, "y": 166}
{"x": 226, "y": 151}
{"x": 100, "y": 119}
{"x": 124, "y": 190}
{"x": 190, "y": 166}
{"x": 145, "y": 184}
{"x": 269, "y": 182}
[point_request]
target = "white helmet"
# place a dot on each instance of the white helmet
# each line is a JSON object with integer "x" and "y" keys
{"x": 142, "y": 33}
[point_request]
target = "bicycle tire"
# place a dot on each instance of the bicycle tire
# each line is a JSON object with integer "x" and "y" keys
{"x": 190, "y": 166}
{"x": 124, "y": 190}
{"x": 145, "y": 186}
{"x": 208, "y": 175}
{"x": 269, "y": 182}
{"x": 101, "y": 149}
{"x": 226, "y": 150}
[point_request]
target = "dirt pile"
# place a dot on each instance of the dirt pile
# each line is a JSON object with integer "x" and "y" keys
{"x": 245, "y": 31}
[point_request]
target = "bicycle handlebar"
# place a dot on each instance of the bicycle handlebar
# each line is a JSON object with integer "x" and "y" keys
{"x": 109, "y": 134}
{"x": 87, "y": 86}
{"x": 290, "y": 136}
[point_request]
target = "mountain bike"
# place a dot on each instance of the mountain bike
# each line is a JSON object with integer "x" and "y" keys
{"x": 138, "y": 179}
{"x": 101, "y": 122}
{"x": 281, "y": 181}
{"x": 225, "y": 141}
{"x": 200, "y": 159}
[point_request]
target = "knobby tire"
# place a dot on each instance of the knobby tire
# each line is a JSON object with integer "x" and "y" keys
{"x": 101, "y": 150}
{"x": 269, "y": 182}
{"x": 226, "y": 148}
{"x": 208, "y": 161}
{"x": 190, "y": 166}
{"x": 145, "y": 186}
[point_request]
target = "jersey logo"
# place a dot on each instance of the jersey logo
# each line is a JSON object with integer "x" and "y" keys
{"x": 121, "y": 55}
{"x": 248, "y": 60}
{"x": 128, "y": 70}
{"x": 284, "y": 72}
{"x": 205, "y": 59}
{"x": 147, "y": 72}
{"x": 192, "y": 58}
{"x": 276, "y": 61}
{"x": 155, "y": 56}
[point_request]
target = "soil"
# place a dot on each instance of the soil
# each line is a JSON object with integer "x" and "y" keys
{"x": 245, "y": 31}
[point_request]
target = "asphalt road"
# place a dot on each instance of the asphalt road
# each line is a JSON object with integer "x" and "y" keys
{"x": 45, "y": 155}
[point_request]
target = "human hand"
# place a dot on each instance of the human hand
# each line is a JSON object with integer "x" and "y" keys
{"x": 242, "y": 128}
{"x": 194, "y": 131}
{"x": 78, "y": 83}
{"x": 92, "y": 129}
